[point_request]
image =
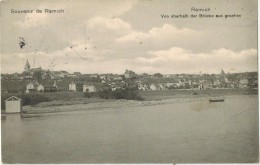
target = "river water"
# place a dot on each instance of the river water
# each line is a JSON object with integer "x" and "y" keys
{"x": 184, "y": 132}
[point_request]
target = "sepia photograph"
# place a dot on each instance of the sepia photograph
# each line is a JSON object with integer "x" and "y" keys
{"x": 129, "y": 81}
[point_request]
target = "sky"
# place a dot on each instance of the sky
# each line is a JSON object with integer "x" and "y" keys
{"x": 110, "y": 36}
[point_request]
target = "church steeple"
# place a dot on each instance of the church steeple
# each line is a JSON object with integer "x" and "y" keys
{"x": 222, "y": 72}
{"x": 27, "y": 66}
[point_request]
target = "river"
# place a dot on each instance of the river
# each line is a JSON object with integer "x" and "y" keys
{"x": 181, "y": 132}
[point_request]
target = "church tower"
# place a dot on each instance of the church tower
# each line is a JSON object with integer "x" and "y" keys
{"x": 27, "y": 66}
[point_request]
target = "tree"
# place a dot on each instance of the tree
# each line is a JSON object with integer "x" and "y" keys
{"x": 37, "y": 75}
{"x": 158, "y": 75}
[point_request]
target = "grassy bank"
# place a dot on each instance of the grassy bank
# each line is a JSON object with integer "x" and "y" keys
{"x": 127, "y": 94}
{"x": 73, "y": 98}
{"x": 167, "y": 94}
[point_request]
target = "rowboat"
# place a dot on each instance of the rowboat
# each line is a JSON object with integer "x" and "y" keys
{"x": 216, "y": 100}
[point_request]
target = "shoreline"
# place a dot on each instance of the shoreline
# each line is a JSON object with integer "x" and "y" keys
{"x": 64, "y": 106}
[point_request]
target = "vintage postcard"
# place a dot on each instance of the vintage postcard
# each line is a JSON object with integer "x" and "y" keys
{"x": 129, "y": 81}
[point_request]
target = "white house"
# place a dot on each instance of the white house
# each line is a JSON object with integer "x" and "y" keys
{"x": 89, "y": 88}
{"x": 153, "y": 87}
{"x": 169, "y": 84}
{"x": 40, "y": 88}
{"x": 143, "y": 87}
{"x": 205, "y": 85}
{"x": 181, "y": 83}
{"x": 161, "y": 86}
{"x": 71, "y": 75}
{"x": 217, "y": 82}
{"x": 243, "y": 83}
{"x": 201, "y": 86}
{"x": 78, "y": 86}
{"x": 118, "y": 78}
{"x": 94, "y": 75}
{"x": 178, "y": 84}
{"x": 31, "y": 87}
{"x": 72, "y": 87}
{"x": 116, "y": 87}
{"x": 129, "y": 74}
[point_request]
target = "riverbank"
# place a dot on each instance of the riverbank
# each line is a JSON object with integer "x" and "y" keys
{"x": 176, "y": 93}
{"x": 70, "y": 101}
{"x": 104, "y": 104}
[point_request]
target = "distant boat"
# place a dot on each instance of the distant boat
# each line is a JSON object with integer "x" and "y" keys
{"x": 216, "y": 100}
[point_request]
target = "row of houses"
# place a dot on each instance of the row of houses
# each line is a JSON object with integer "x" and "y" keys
{"x": 38, "y": 80}
{"x": 29, "y": 86}
{"x": 144, "y": 81}
{"x": 53, "y": 86}
{"x": 21, "y": 86}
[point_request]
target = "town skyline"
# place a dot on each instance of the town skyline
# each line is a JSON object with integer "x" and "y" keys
{"x": 122, "y": 71}
{"x": 40, "y": 80}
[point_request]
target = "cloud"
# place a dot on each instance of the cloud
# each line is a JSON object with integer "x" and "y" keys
{"x": 161, "y": 38}
{"x": 166, "y": 31}
{"x": 114, "y": 24}
{"x": 32, "y": 20}
{"x": 173, "y": 60}
{"x": 176, "y": 60}
{"x": 121, "y": 7}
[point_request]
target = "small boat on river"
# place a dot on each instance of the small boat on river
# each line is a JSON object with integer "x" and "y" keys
{"x": 216, "y": 100}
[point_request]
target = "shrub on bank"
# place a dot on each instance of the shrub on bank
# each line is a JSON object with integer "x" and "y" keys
{"x": 32, "y": 99}
{"x": 128, "y": 94}
{"x": 87, "y": 94}
{"x": 106, "y": 94}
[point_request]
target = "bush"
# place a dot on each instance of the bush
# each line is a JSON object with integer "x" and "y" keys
{"x": 87, "y": 94}
{"x": 32, "y": 99}
{"x": 128, "y": 94}
{"x": 106, "y": 94}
